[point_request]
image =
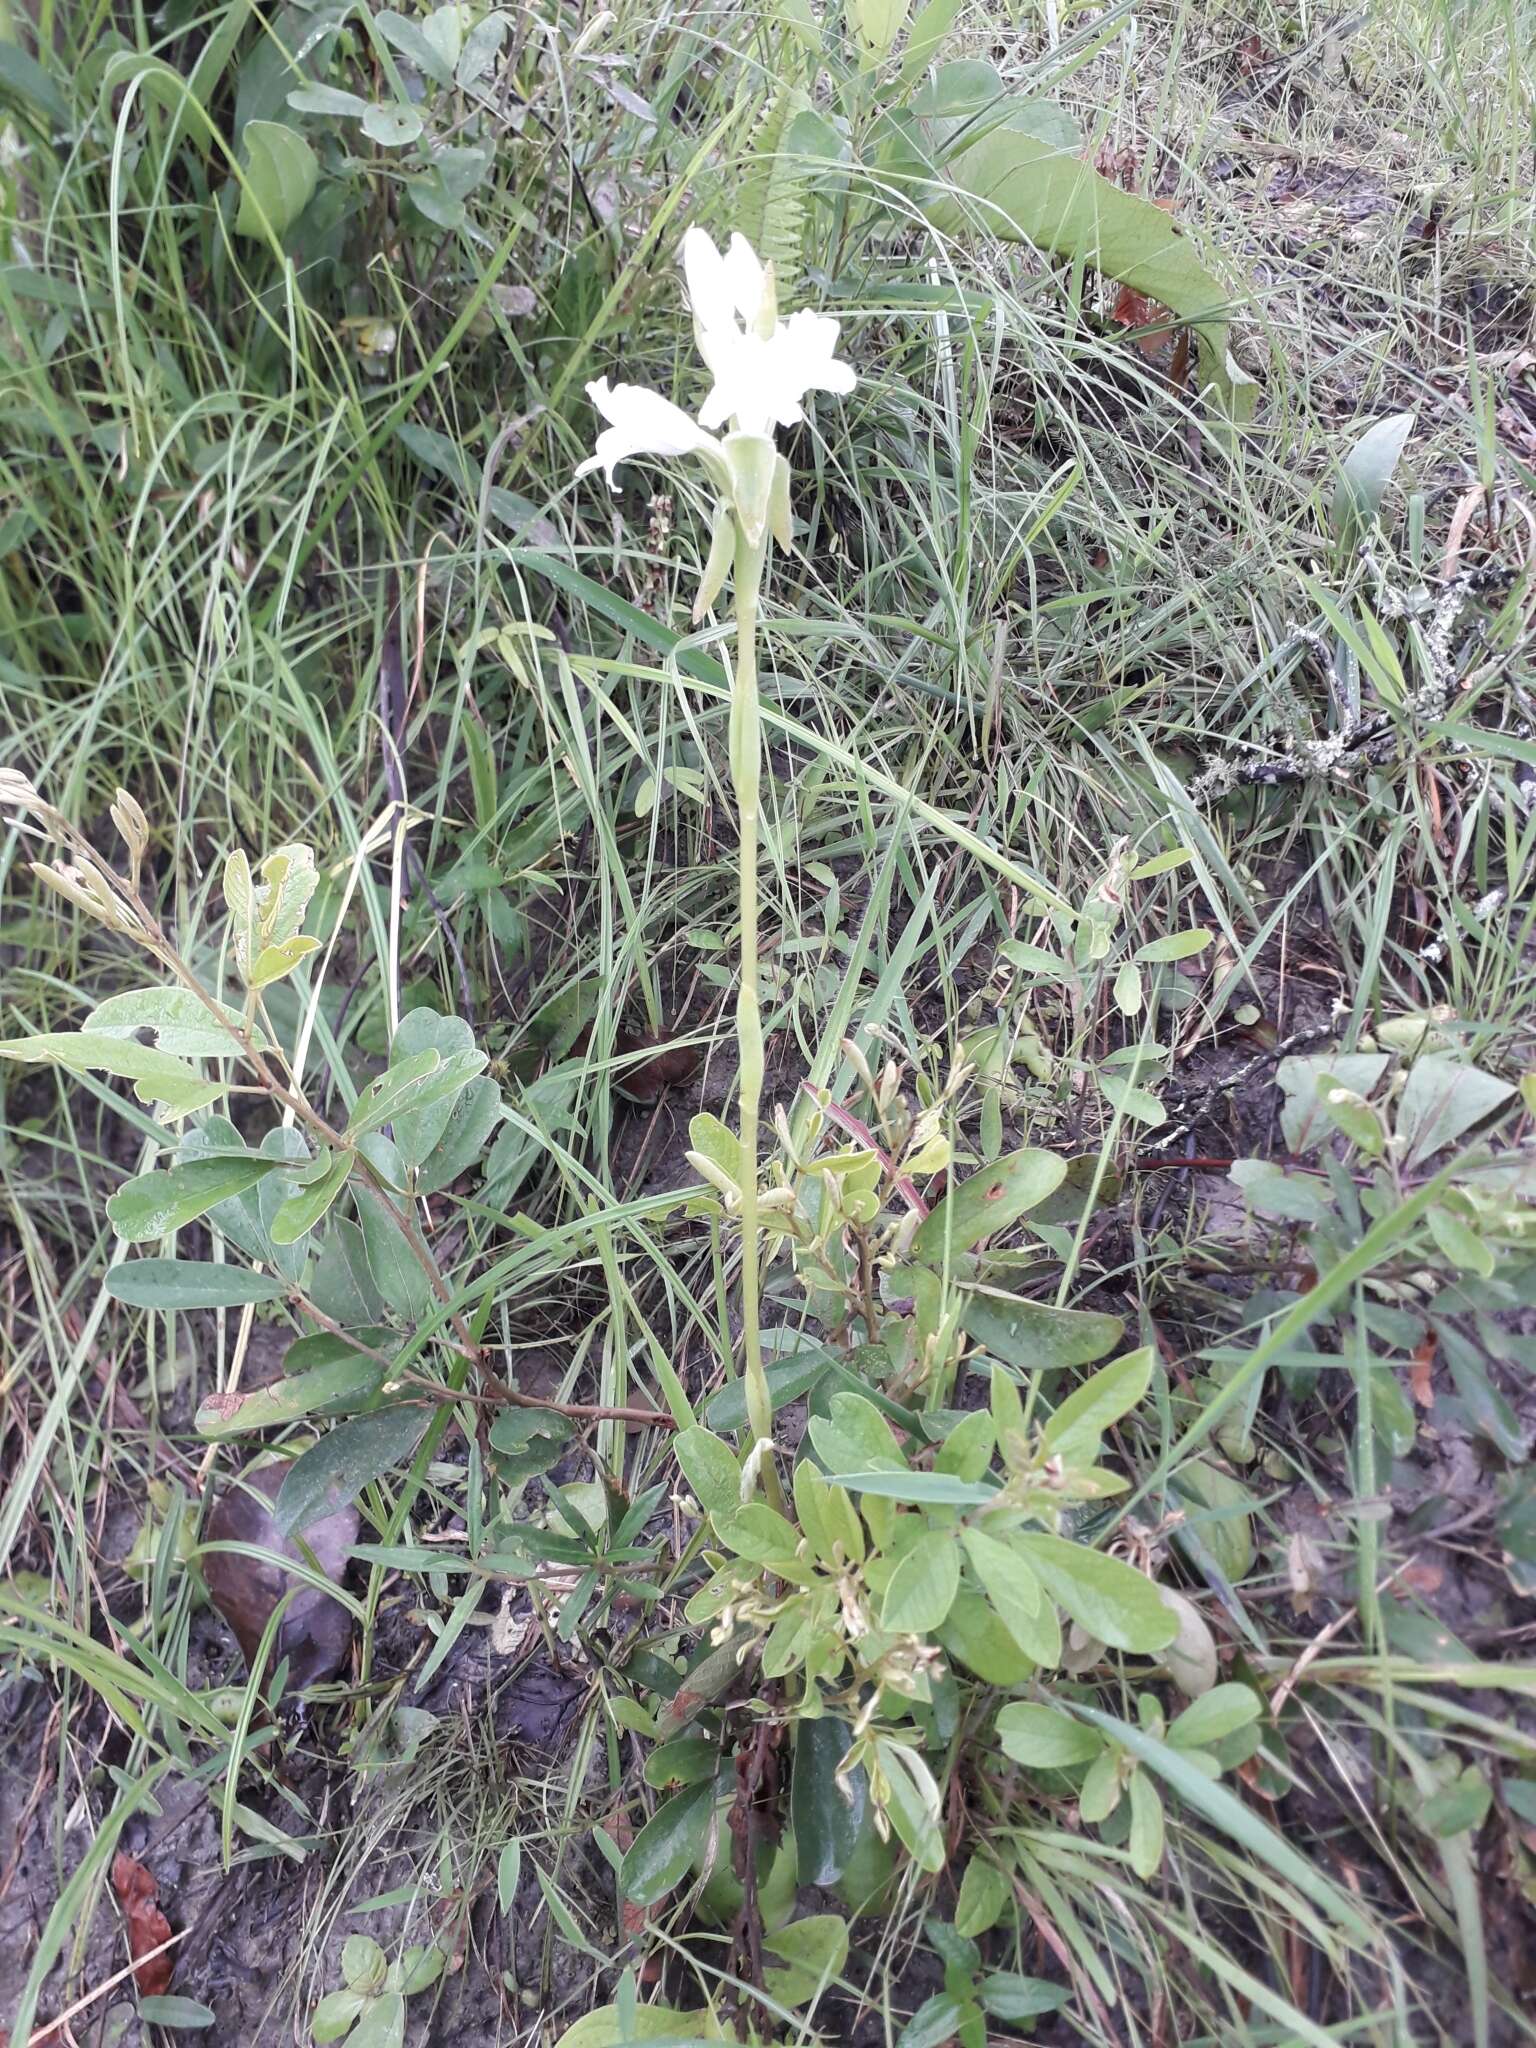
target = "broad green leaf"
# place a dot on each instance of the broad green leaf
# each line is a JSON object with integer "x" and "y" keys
{"x": 938, "y": 2021}
{"x": 1005, "y": 1577}
{"x": 829, "y": 1812}
{"x": 788, "y": 1379}
{"x": 757, "y": 1532}
{"x": 1298, "y": 1197}
{"x": 1221, "y": 1518}
{"x": 983, "y": 1898}
{"x": 1215, "y": 1715}
{"x": 662, "y": 1853}
{"x": 392, "y": 1091}
{"x": 1175, "y": 946}
{"x": 397, "y": 1272}
{"x": 605, "y": 2026}
{"x": 414, "y": 44}
{"x": 351, "y": 1380}
{"x": 23, "y": 78}
{"x": 1024, "y": 188}
{"x": 922, "y": 1588}
{"x": 189, "y": 1283}
{"x": 302, "y": 1211}
{"x": 1044, "y": 1738}
{"x": 1031, "y": 1336}
{"x": 280, "y": 180}
{"x": 345, "y": 1460}
{"x": 854, "y": 1436}
{"x": 509, "y": 1868}
{"x": 1364, "y": 476}
{"x": 813, "y": 1951}
{"x": 1441, "y": 1100}
{"x": 966, "y": 1451}
{"x": 1146, "y": 1837}
{"x": 186, "y": 2013}
{"x": 328, "y": 99}
{"x": 878, "y": 23}
{"x": 1139, "y": 1104}
{"x": 472, "y": 1116}
{"x": 273, "y": 963}
{"x": 1460, "y": 1244}
{"x": 1107, "y": 1598}
{"x": 973, "y": 1634}
{"x": 1009, "y": 1997}
{"x": 1304, "y": 1123}
{"x": 712, "y": 1470}
{"x": 1075, "y": 1431}
{"x": 987, "y": 1203}
{"x": 182, "y": 1023}
{"x": 268, "y": 914}
{"x": 920, "y": 1489}
{"x": 153, "y": 1204}
{"x": 156, "y": 1075}
{"x": 342, "y": 1284}
{"x": 382, "y": 2021}
{"x": 392, "y": 127}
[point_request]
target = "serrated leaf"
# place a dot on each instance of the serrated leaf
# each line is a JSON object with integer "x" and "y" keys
{"x": 280, "y": 179}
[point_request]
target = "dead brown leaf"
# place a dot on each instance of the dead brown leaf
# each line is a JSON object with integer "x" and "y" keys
{"x": 148, "y": 1927}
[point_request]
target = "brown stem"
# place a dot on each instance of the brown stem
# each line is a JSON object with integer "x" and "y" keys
{"x": 500, "y": 1395}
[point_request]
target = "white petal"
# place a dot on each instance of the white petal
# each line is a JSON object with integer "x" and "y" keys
{"x": 709, "y": 285}
{"x": 811, "y": 340}
{"x": 746, "y": 277}
{"x": 642, "y": 422}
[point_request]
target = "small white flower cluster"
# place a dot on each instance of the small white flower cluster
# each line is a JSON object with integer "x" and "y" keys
{"x": 762, "y": 368}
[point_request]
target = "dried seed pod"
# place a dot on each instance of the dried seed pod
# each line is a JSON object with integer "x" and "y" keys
{"x": 315, "y": 1632}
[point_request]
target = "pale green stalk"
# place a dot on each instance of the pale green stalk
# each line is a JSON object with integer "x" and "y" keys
{"x": 746, "y": 774}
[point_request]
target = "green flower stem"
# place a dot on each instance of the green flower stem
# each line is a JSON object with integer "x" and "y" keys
{"x": 746, "y": 775}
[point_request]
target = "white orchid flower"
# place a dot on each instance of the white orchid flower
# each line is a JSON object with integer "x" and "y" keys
{"x": 642, "y": 422}
{"x": 762, "y": 366}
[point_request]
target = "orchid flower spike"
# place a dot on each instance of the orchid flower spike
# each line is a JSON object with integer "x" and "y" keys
{"x": 762, "y": 368}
